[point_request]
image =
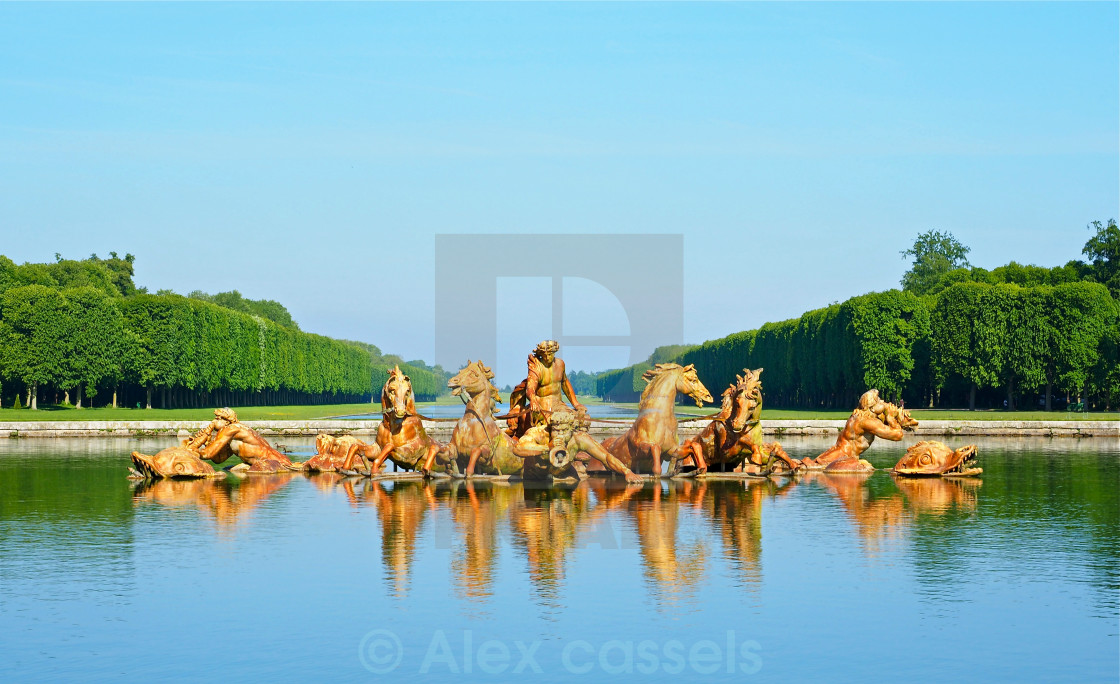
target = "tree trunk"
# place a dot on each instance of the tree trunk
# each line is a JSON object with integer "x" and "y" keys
{"x": 1010, "y": 395}
{"x": 33, "y": 396}
{"x": 1049, "y": 388}
{"x": 78, "y": 403}
{"x": 148, "y": 397}
{"x": 972, "y": 398}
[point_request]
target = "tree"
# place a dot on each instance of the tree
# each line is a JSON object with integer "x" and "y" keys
{"x": 935, "y": 254}
{"x": 1103, "y": 250}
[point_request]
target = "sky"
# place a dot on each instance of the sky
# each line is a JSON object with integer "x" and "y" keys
{"x": 311, "y": 153}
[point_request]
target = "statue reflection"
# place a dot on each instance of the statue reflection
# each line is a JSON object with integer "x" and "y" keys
{"x": 225, "y": 500}
{"x": 477, "y": 508}
{"x": 879, "y": 520}
{"x": 885, "y": 518}
{"x": 939, "y": 495}
{"x": 735, "y": 510}
{"x": 671, "y": 566}
{"x": 544, "y": 522}
{"x": 401, "y": 507}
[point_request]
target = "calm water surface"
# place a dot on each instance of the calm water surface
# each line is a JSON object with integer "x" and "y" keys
{"x": 1012, "y": 577}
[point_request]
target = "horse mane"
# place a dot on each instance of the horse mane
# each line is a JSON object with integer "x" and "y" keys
{"x": 657, "y": 371}
{"x": 495, "y": 393}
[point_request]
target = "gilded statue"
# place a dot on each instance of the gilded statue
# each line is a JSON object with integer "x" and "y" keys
{"x": 478, "y": 443}
{"x": 331, "y": 453}
{"x": 654, "y": 432}
{"x": 872, "y": 418}
{"x": 733, "y": 438}
{"x": 226, "y": 436}
{"x": 173, "y": 462}
{"x": 560, "y": 450}
{"x": 401, "y": 436}
{"x": 542, "y": 390}
{"x": 934, "y": 459}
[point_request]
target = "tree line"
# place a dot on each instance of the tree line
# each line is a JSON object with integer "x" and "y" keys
{"x": 75, "y": 330}
{"x": 954, "y": 335}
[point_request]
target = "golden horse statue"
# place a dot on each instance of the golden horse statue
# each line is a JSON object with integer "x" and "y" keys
{"x": 478, "y": 442}
{"x": 401, "y": 436}
{"x": 733, "y": 438}
{"x": 654, "y": 432}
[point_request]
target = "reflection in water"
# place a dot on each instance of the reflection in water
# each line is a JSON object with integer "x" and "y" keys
{"x": 882, "y": 517}
{"x": 401, "y": 508}
{"x": 476, "y": 509}
{"x": 226, "y": 500}
{"x": 672, "y": 566}
{"x": 1023, "y": 560}
{"x": 544, "y": 522}
{"x": 547, "y": 524}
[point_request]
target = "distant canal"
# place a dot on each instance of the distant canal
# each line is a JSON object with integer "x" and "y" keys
{"x": 456, "y": 411}
{"x": 1012, "y": 577}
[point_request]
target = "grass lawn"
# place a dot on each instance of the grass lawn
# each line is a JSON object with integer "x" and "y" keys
{"x": 133, "y": 414}
{"x": 331, "y": 410}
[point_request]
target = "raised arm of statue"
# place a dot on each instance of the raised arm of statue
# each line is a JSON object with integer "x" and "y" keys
{"x": 881, "y": 429}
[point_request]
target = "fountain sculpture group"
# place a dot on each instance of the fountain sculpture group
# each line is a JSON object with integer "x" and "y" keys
{"x": 546, "y": 439}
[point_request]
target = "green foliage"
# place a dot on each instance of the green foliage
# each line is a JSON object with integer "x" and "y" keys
{"x": 935, "y": 254}
{"x": 265, "y": 308}
{"x": 583, "y": 382}
{"x": 1103, "y": 250}
{"x": 668, "y": 353}
{"x": 111, "y": 276}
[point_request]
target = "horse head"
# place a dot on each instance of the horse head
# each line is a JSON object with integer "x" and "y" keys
{"x": 689, "y": 383}
{"x": 746, "y": 398}
{"x": 396, "y": 395}
{"x": 474, "y": 379}
{"x": 684, "y": 378}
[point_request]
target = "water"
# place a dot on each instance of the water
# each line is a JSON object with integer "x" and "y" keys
{"x": 1013, "y": 577}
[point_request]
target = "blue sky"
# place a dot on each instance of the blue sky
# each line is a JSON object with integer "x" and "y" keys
{"x": 310, "y": 153}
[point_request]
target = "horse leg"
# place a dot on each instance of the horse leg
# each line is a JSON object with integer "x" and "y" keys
{"x": 698, "y": 458}
{"x": 426, "y": 469}
{"x": 385, "y": 451}
{"x": 655, "y": 454}
{"x": 475, "y": 453}
{"x": 776, "y": 451}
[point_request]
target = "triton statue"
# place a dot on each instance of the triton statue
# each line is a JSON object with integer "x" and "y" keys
{"x": 226, "y": 436}
{"x": 331, "y": 453}
{"x": 872, "y": 418}
{"x": 555, "y": 450}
